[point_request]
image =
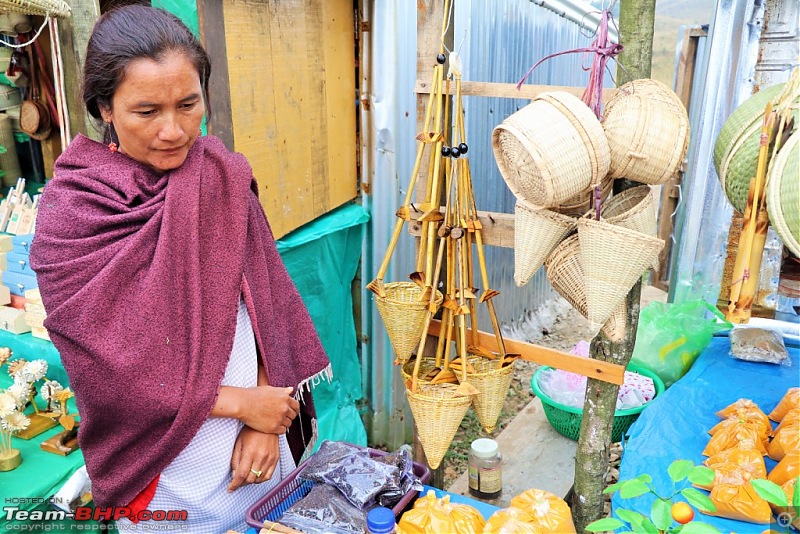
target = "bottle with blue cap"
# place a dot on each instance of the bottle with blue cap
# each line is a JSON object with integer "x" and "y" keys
{"x": 380, "y": 520}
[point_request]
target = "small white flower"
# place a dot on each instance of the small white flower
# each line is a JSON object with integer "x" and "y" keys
{"x": 34, "y": 370}
{"x": 20, "y": 392}
{"x": 15, "y": 422}
{"x": 8, "y": 404}
{"x": 50, "y": 388}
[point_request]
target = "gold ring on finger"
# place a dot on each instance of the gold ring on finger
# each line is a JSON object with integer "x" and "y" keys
{"x": 256, "y": 473}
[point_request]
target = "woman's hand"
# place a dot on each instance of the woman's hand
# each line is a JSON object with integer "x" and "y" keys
{"x": 263, "y": 408}
{"x": 253, "y": 452}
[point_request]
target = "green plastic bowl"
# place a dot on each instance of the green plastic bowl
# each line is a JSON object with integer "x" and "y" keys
{"x": 566, "y": 420}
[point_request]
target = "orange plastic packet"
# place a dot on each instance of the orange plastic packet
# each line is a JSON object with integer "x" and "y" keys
{"x": 790, "y": 400}
{"x": 787, "y": 469}
{"x": 510, "y": 521}
{"x": 735, "y": 466}
{"x": 739, "y": 502}
{"x": 791, "y": 417}
{"x": 791, "y": 512}
{"x": 431, "y": 515}
{"x": 764, "y": 429}
{"x": 744, "y": 408}
{"x": 786, "y": 440}
{"x": 740, "y": 435}
{"x": 549, "y": 512}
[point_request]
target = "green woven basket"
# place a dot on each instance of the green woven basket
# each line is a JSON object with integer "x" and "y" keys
{"x": 783, "y": 193}
{"x": 566, "y": 420}
{"x": 736, "y": 149}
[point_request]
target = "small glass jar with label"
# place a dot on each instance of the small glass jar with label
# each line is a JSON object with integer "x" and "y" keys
{"x": 485, "y": 469}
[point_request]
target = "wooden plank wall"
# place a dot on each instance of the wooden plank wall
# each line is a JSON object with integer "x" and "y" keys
{"x": 291, "y": 68}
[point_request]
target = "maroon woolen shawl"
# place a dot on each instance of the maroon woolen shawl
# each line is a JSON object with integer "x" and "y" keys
{"x": 141, "y": 277}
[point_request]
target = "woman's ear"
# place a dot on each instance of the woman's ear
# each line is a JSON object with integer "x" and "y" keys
{"x": 106, "y": 114}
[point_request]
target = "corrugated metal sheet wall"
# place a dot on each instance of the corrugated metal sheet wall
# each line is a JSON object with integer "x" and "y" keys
{"x": 498, "y": 40}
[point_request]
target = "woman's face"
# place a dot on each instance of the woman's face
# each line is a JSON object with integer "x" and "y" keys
{"x": 156, "y": 111}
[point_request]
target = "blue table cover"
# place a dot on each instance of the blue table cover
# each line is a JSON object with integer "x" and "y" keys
{"x": 675, "y": 426}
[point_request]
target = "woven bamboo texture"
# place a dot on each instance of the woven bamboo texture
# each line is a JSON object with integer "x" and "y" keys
{"x": 9, "y": 161}
{"x": 565, "y": 272}
{"x": 541, "y": 152}
{"x": 427, "y": 365}
{"x": 634, "y": 209}
{"x": 403, "y": 314}
{"x": 783, "y": 193}
{"x": 492, "y": 385}
{"x": 613, "y": 259}
{"x": 736, "y": 149}
{"x": 54, "y": 8}
{"x": 584, "y": 201}
{"x": 648, "y": 132}
{"x": 536, "y": 233}
{"x": 437, "y": 415}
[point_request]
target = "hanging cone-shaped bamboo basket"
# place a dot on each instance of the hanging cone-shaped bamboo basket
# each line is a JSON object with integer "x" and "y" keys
{"x": 578, "y": 205}
{"x": 634, "y": 209}
{"x": 536, "y": 233}
{"x": 565, "y": 272}
{"x": 613, "y": 259}
{"x": 437, "y": 413}
{"x": 403, "y": 313}
{"x": 492, "y": 385}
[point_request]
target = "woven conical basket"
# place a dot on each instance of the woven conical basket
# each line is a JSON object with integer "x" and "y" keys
{"x": 437, "y": 414}
{"x": 648, "y": 132}
{"x": 634, "y": 208}
{"x": 578, "y": 205}
{"x": 536, "y": 233}
{"x": 54, "y": 8}
{"x": 613, "y": 259}
{"x": 736, "y": 149}
{"x": 427, "y": 364}
{"x": 550, "y": 150}
{"x": 492, "y": 384}
{"x": 403, "y": 314}
{"x": 783, "y": 193}
{"x": 565, "y": 272}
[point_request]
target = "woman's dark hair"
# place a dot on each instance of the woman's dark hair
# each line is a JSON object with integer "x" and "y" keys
{"x": 127, "y": 33}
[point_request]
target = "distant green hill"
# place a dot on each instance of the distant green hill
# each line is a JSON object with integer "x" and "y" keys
{"x": 670, "y": 16}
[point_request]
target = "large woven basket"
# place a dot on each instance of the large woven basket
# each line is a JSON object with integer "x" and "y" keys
{"x": 54, "y": 8}
{"x": 492, "y": 385}
{"x": 613, "y": 259}
{"x": 565, "y": 272}
{"x": 634, "y": 208}
{"x": 551, "y": 150}
{"x": 403, "y": 314}
{"x": 437, "y": 414}
{"x": 536, "y": 233}
{"x": 736, "y": 149}
{"x": 783, "y": 193}
{"x": 584, "y": 201}
{"x": 648, "y": 132}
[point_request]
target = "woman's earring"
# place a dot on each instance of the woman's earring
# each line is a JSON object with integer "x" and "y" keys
{"x": 112, "y": 146}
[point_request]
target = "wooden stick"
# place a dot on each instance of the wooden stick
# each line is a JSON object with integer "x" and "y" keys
{"x": 605, "y": 371}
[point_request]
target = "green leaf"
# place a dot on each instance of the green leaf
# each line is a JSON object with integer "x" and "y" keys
{"x": 698, "y": 500}
{"x": 679, "y": 469}
{"x": 661, "y": 513}
{"x": 633, "y": 488}
{"x": 698, "y": 527}
{"x": 644, "y": 477}
{"x": 602, "y": 525}
{"x": 612, "y": 488}
{"x": 701, "y": 475}
{"x": 770, "y": 492}
{"x": 796, "y": 498}
{"x": 634, "y": 518}
{"x": 648, "y": 527}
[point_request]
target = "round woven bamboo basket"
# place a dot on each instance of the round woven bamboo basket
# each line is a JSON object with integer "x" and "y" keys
{"x": 437, "y": 414}
{"x": 551, "y": 150}
{"x": 54, "y": 8}
{"x": 613, "y": 259}
{"x": 565, "y": 272}
{"x": 634, "y": 208}
{"x": 783, "y": 193}
{"x": 584, "y": 201}
{"x": 403, "y": 314}
{"x": 492, "y": 385}
{"x": 648, "y": 132}
{"x": 536, "y": 233}
{"x": 736, "y": 149}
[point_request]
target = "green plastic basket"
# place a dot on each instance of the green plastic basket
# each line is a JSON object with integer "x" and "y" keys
{"x": 566, "y": 420}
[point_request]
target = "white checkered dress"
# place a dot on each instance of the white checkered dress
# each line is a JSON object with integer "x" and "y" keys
{"x": 198, "y": 478}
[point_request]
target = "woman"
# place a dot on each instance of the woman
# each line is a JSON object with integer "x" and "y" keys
{"x": 186, "y": 343}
